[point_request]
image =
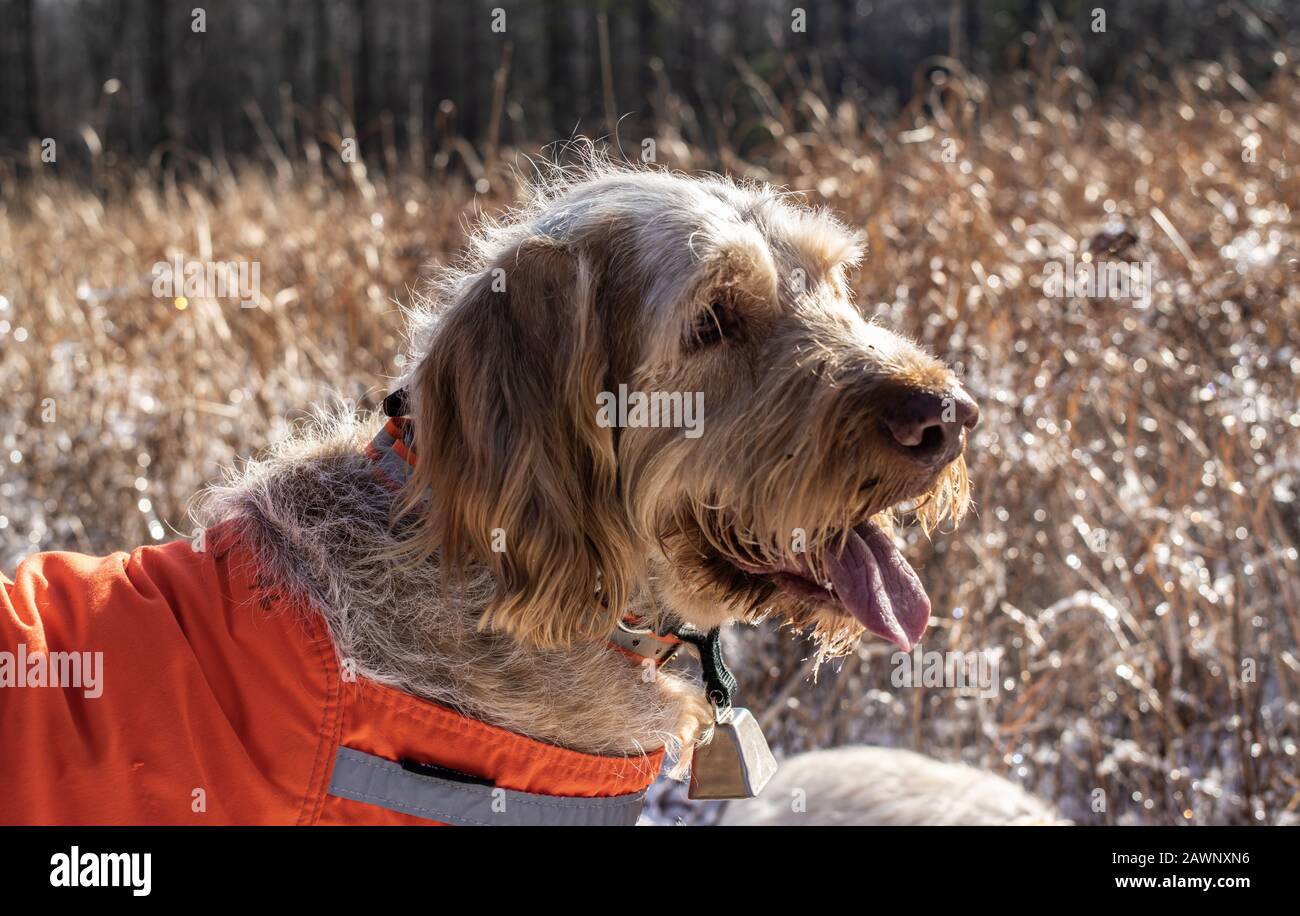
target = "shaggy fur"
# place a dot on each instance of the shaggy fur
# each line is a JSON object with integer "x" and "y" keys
{"x": 528, "y": 529}
{"x": 318, "y": 522}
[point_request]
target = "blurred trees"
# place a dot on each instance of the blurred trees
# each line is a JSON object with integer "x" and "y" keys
{"x": 149, "y": 76}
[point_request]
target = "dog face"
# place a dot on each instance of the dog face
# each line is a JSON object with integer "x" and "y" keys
{"x": 660, "y": 382}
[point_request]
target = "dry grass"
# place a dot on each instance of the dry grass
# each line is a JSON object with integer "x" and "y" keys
{"x": 1134, "y": 549}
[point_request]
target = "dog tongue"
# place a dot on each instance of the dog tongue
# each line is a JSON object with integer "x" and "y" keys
{"x": 879, "y": 588}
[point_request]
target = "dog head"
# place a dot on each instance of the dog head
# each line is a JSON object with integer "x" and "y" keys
{"x": 646, "y": 380}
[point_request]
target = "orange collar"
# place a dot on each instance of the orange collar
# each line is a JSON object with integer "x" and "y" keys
{"x": 393, "y": 454}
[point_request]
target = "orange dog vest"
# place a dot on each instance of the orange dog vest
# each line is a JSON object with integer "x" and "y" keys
{"x": 163, "y": 687}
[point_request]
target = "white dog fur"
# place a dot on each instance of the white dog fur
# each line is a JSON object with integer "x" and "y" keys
{"x": 877, "y": 786}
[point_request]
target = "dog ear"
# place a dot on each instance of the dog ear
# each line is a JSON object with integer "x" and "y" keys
{"x": 519, "y": 475}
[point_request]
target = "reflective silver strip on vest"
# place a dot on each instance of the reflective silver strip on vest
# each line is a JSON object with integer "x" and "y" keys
{"x": 375, "y": 781}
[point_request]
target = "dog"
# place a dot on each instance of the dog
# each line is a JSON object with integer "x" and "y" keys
{"x": 887, "y": 787}
{"x": 467, "y": 606}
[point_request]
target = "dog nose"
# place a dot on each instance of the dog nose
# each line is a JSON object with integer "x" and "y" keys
{"x": 928, "y": 424}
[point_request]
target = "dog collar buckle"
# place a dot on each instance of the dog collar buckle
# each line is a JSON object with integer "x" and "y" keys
{"x": 642, "y": 644}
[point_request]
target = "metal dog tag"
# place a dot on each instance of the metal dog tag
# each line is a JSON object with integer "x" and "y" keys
{"x": 736, "y": 763}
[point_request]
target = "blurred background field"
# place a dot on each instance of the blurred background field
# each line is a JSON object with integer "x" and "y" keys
{"x": 1132, "y": 558}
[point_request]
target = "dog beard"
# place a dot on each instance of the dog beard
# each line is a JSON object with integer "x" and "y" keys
{"x": 852, "y": 579}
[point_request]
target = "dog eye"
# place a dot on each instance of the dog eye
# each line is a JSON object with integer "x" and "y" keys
{"x": 713, "y": 325}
